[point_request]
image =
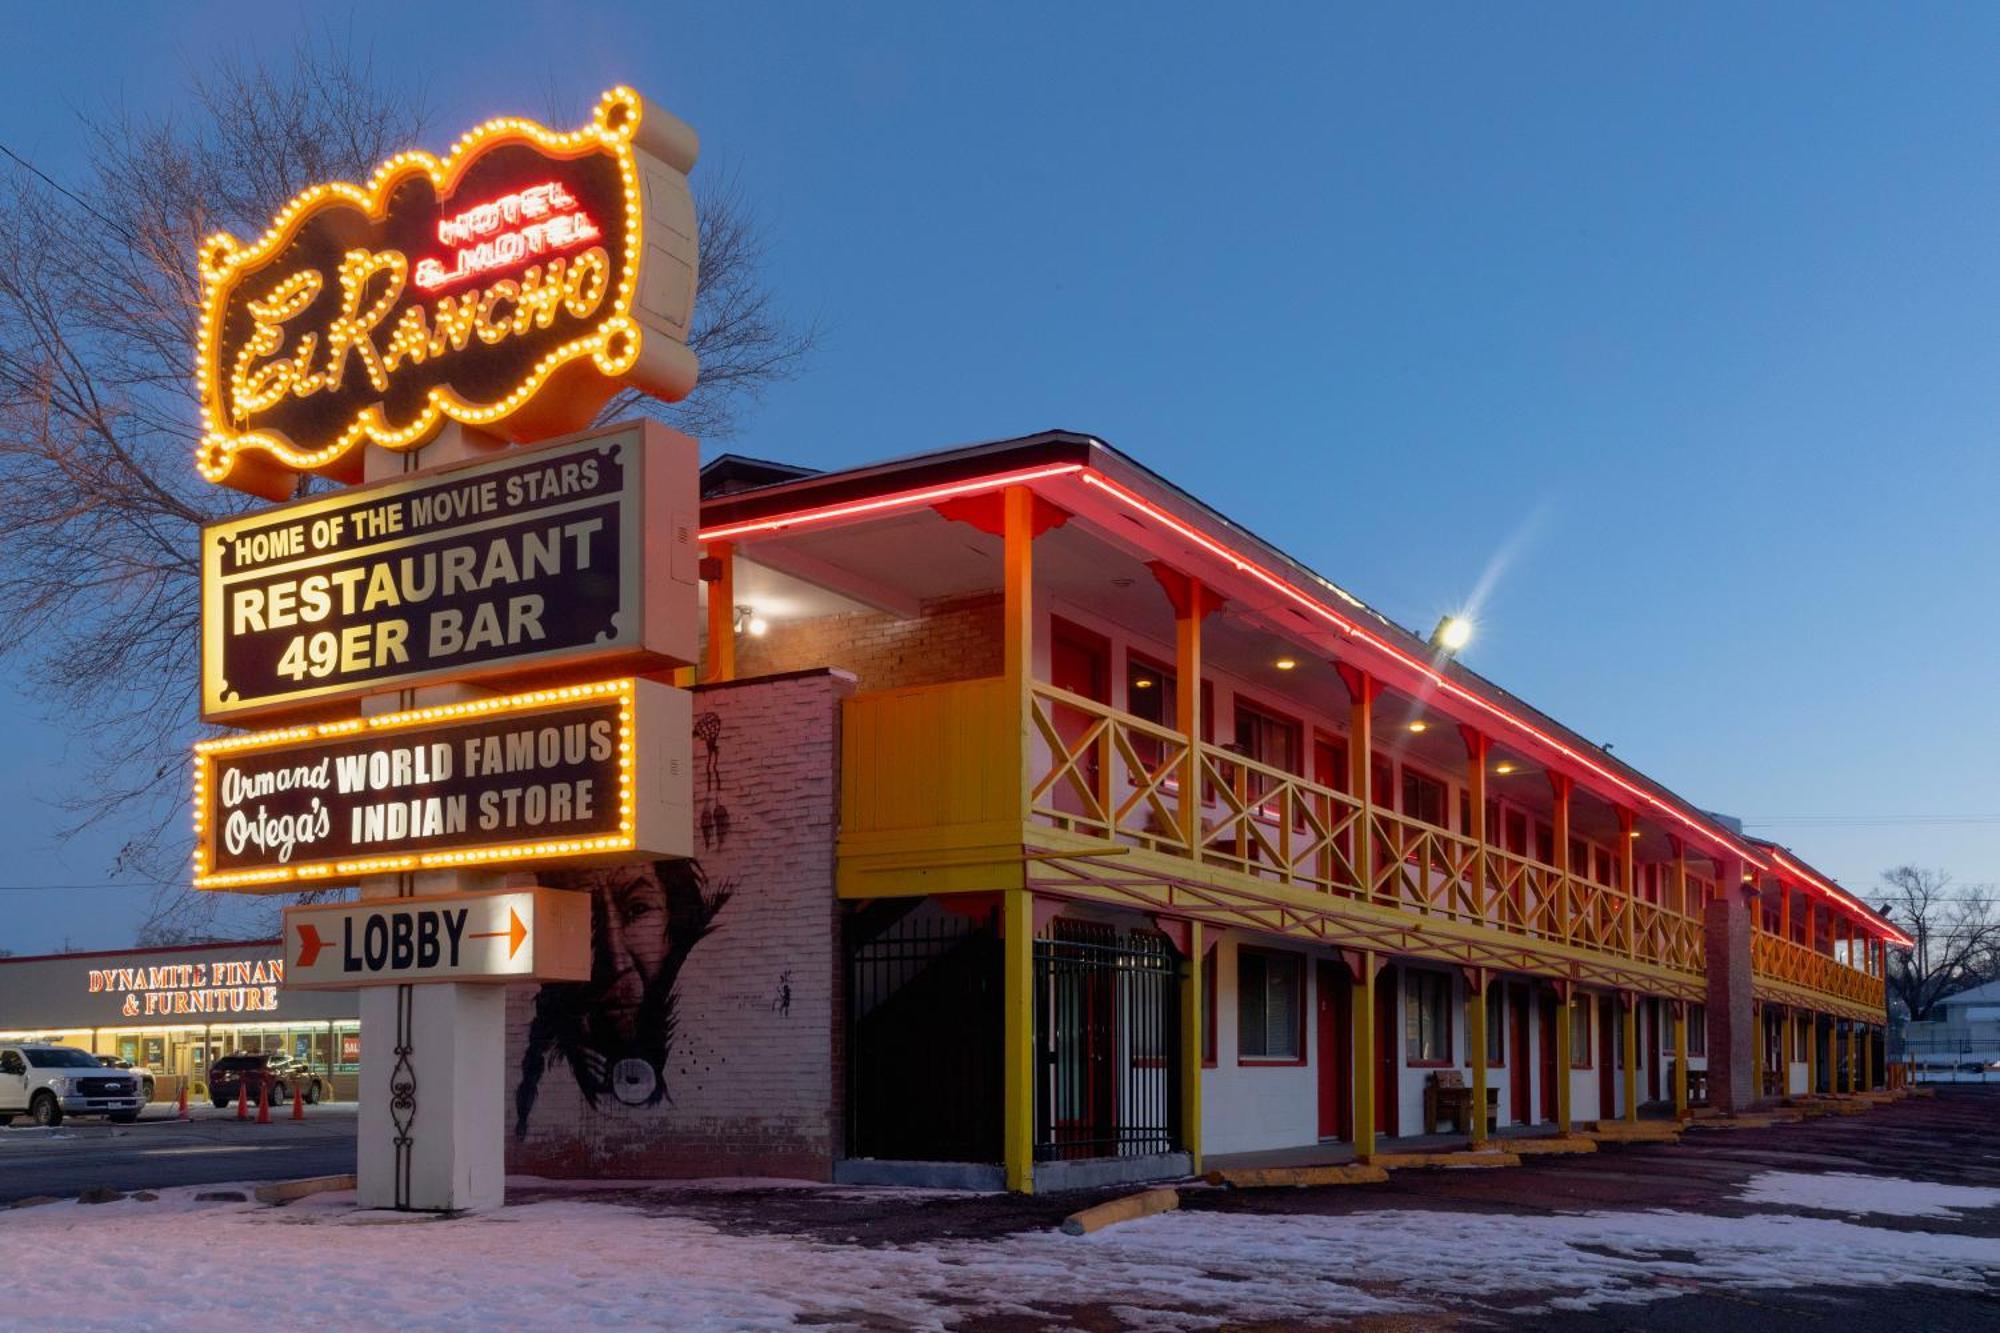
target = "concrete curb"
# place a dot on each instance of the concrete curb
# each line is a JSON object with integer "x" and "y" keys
{"x": 1298, "y": 1177}
{"x": 1132, "y": 1206}
{"x": 1409, "y": 1160}
{"x": 284, "y": 1191}
{"x": 1550, "y": 1147}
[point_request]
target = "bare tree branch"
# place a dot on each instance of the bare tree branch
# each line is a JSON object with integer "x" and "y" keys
{"x": 99, "y": 299}
{"x": 1955, "y": 938}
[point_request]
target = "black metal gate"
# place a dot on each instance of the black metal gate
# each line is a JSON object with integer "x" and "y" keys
{"x": 1107, "y": 1038}
{"x": 923, "y": 1034}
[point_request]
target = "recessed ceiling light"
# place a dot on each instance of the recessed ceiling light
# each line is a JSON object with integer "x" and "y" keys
{"x": 1284, "y": 664}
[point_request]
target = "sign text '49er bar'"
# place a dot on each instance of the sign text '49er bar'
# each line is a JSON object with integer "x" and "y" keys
{"x": 577, "y": 554}
{"x": 585, "y": 774}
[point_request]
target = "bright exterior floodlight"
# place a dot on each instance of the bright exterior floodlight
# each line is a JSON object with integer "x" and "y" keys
{"x": 1452, "y": 633}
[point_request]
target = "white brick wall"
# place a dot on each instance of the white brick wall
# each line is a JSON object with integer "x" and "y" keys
{"x": 750, "y": 1078}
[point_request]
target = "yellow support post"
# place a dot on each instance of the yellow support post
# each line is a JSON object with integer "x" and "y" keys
{"x": 1853, "y": 1083}
{"x": 1475, "y": 1041}
{"x": 1559, "y": 787}
{"x": 1191, "y": 1032}
{"x": 722, "y": 613}
{"x": 1812, "y": 1048}
{"x": 1018, "y": 1039}
{"x": 1631, "y": 1020}
{"x": 1362, "y": 689}
{"x": 1567, "y": 994}
{"x": 1680, "y": 1060}
{"x": 1868, "y": 1059}
{"x": 1364, "y": 1058}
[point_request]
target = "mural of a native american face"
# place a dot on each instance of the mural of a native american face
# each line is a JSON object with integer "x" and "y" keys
{"x": 616, "y": 1031}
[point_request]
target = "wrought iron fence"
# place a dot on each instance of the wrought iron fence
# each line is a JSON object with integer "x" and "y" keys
{"x": 923, "y": 1034}
{"x": 1107, "y": 1040}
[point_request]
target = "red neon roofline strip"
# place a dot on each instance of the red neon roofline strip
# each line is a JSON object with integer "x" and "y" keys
{"x": 927, "y": 495}
{"x": 1422, "y": 668}
{"x": 1091, "y": 477}
{"x": 1833, "y": 890}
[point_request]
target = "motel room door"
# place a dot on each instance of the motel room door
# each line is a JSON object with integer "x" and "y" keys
{"x": 1388, "y": 1050}
{"x": 1336, "y": 1051}
{"x": 1518, "y": 1105}
{"x": 1607, "y": 1073}
{"x": 1547, "y": 1061}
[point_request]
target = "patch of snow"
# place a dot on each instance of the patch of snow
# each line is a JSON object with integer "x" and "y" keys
{"x": 583, "y": 1261}
{"x": 1848, "y": 1192}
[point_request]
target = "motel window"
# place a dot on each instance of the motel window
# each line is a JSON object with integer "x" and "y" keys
{"x": 1580, "y": 1011}
{"x": 1269, "y": 1012}
{"x": 1601, "y": 861}
{"x": 1208, "y": 1006}
{"x": 1152, "y": 694}
{"x": 1427, "y": 1017}
{"x": 1697, "y": 1030}
{"x": 1545, "y": 844}
{"x": 1423, "y": 797}
{"x": 1266, "y": 737}
{"x": 1517, "y": 832}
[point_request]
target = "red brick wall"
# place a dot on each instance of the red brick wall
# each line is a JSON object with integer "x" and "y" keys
{"x": 955, "y": 638}
{"x": 748, "y": 1083}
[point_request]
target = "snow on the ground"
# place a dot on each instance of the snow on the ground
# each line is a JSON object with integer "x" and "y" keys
{"x": 581, "y": 1260}
{"x": 1847, "y": 1192}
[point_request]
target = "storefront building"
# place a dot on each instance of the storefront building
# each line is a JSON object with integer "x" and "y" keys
{"x": 1053, "y": 828}
{"x": 173, "y": 1010}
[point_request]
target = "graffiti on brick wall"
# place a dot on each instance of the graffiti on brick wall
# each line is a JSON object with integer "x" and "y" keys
{"x": 616, "y": 1033}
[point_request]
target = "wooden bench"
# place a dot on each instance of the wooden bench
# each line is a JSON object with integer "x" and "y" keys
{"x": 1446, "y": 1097}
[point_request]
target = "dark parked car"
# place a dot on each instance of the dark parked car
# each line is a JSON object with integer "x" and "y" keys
{"x": 284, "y": 1073}
{"x": 120, "y": 1062}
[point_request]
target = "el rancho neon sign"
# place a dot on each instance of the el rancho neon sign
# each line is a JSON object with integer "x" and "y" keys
{"x": 511, "y": 286}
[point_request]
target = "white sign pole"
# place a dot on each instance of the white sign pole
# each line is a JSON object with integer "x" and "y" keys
{"x": 432, "y": 1129}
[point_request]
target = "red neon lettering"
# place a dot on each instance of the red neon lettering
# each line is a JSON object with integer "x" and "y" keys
{"x": 505, "y": 233}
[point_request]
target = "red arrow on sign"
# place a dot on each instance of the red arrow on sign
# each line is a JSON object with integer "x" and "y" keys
{"x": 516, "y": 931}
{"x": 309, "y": 944}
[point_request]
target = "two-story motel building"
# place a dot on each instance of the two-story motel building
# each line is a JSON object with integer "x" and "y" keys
{"x": 1148, "y": 843}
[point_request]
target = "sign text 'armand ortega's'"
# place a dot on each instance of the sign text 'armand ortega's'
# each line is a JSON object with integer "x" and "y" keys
{"x": 511, "y": 286}
{"x": 579, "y": 553}
{"x": 579, "y": 774}
{"x": 532, "y": 934}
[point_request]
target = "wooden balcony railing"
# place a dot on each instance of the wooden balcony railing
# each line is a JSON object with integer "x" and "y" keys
{"x": 1109, "y": 775}
{"x": 1781, "y": 959}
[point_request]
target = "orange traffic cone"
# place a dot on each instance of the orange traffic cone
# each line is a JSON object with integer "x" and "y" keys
{"x": 263, "y": 1101}
{"x": 243, "y": 1100}
{"x": 298, "y": 1103}
{"x": 184, "y": 1103}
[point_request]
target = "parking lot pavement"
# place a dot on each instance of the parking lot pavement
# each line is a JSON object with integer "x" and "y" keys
{"x": 160, "y": 1150}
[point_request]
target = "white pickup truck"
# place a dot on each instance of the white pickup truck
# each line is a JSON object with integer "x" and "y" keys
{"x": 46, "y": 1083}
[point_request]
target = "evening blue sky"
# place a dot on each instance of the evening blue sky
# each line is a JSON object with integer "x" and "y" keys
{"x": 1713, "y": 292}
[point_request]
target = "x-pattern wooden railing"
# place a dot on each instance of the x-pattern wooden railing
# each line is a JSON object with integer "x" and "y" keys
{"x": 1111, "y": 775}
{"x": 1781, "y": 959}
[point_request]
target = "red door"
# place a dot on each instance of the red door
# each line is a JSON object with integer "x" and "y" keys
{"x": 1080, "y": 662}
{"x": 1607, "y": 1073}
{"x": 1336, "y": 1043}
{"x": 1387, "y": 1063}
{"x": 1517, "y": 1038}
{"x": 1652, "y": 1050}
{"x": 1547, "y": 1063}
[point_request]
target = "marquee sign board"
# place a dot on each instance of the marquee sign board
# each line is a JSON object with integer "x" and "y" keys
{"x": 511, "y": 286}
{"x": 532, "y": 934}
{"x": 583, "y": 775}
{"x": 576, "y": 555}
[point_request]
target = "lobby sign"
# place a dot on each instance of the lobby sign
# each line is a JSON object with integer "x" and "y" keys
{"x": 576, "y": 556}
{"x": 511, "y": 286}
{"x": 532, "y": 934}
{"x": 580, "y": 775}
